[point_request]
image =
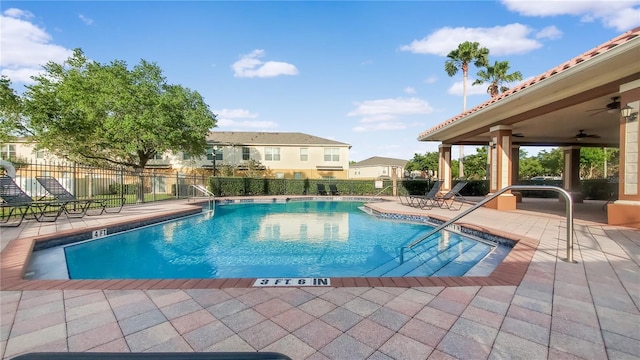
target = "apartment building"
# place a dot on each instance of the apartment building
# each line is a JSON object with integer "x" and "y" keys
{"x": 282, "y": 155}
{"x": 377, "y": 168}
{"x": 289, "y": 155}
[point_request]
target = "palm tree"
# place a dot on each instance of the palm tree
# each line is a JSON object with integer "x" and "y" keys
{"x": 459, "y": 59}
{"x": 496, "y": 75}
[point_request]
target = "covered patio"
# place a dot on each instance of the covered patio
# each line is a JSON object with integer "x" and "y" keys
{"x": 591, "y": 100}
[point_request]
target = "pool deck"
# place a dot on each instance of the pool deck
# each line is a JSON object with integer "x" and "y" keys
{"x": 537, "y": 306}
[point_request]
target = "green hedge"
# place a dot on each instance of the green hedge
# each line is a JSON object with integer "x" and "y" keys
{"x": 230, "y": 186}
{"x": 226, "y": 186}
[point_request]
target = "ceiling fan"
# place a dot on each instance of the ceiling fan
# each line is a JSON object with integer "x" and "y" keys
{"x": 581, "y": 135}
{"x": 612, "y": 106}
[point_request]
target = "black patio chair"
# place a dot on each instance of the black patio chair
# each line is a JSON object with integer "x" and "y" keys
{"x": 333, "y": 189}
{"x": 322, "y": 190}
{"x": 21, "y": 206}
{"x": 430, "y": 199}
{"x": 75, "y": 207}
{"x": 453, "y": 196}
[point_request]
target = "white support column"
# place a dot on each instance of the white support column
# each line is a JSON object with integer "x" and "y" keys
{"x": 444, "y": 166}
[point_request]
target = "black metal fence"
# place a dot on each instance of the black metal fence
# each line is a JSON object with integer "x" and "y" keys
{"x": 87, "y": 182}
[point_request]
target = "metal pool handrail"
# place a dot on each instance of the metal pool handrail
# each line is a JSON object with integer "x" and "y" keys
{"x": 563, "y": 192}
{"x": 209, "y": 194}
{"x": 379, "y": 192}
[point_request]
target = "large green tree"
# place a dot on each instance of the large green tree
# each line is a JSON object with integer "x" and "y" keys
{"x": 107, "y": 113}
{"x": 552, "y": 162}
{"x": 497, "y": 75}
{"x": 428, "y": 161}
{"x": 10, "y": 111}
{"x": 459, "y": 59}
{"x": 476, "y": 164}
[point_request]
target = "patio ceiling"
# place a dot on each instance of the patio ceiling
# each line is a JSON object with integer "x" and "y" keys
{"x": 550, "y": 109}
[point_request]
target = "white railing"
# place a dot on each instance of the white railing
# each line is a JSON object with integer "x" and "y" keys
{"x": 378, "y": 193}
{"x": 201, "y": 189}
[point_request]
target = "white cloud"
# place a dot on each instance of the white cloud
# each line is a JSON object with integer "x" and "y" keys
{"x": 431, "y": 80}
{"x": 550, "y": 32}
{"x": 409, "y": 90}
{"x": 85, "y": 19}
{"x": 380, "y": 127}
{"x": 619, "y": 15}
{"x": 398, "y": 106}
{"x": 227, "y": 120}
{"x": 18, "y": 13}
{"x": 457, "y": 88}
{"x": 235, "y": 113}
{"x": 251, "y": 66}
{"x": 385, "y": 114}
{"x": 25, "y": 47}
{"x": 500, "y": 40}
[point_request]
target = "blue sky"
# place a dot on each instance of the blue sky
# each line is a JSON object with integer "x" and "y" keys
{"x": 367, "y": 73}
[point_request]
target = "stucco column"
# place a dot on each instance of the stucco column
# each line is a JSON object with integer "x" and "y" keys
{"x": 444, "y": 166}
{"x": 515, "y": 170}
{"x": 571, "y": 173}
{"x": 626, "y": 210}
{"x": 501, "y": 168}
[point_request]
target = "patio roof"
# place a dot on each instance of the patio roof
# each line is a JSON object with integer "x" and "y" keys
{"x": 551, "y": 108}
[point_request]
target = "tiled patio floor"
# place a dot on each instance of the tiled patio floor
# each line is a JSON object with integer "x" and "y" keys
{"x": 558, "y": 310}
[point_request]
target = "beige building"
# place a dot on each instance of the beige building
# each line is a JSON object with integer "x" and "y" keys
{"x": 22, "y": 149}
{"x": 377, "y": 168}
{"x": 282, "y": 155}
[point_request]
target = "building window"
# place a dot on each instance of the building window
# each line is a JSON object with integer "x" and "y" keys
{"x": 384, "y": 171}
{"x": 304, "y": 154}
{"x": 297, "y": 175}
{"x": 186, "y": 156}
{"x": 272, "y": 154}
{"x": 218, "y": 154}
{"x": 157, "y": 156}
{"x": 279, "y": 175}
{"x": 8, "y": 152}
{"x": 246, "y": 153}
{"x": 331, "y": 154}
{"x": 40, "y": 154}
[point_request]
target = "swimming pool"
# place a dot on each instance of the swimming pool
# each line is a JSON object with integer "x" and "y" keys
{"x": 287, "y": 239}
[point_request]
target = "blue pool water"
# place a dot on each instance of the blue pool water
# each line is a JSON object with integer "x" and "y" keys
{"x": 292, "y": 239}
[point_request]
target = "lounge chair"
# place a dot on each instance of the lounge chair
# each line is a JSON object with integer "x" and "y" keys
{"x": 448, "y": 200}
{"x": 75, "y": 207}
{"x": 322, "y": 190}
{"x": 333, "y": 189}
{"x": 19, "y": 204}
{"x": 430, "y": 199}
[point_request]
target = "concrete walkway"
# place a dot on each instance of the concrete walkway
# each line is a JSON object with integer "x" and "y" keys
{"x": 559, "y": 310}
